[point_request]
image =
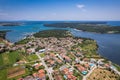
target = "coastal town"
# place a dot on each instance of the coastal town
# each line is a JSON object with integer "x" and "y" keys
{"x": 52, "y": 58}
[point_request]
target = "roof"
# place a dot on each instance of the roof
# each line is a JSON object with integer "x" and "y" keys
{"x": 51, "y": 61}
{"x": 80, "y": 67}
{"x": 69, "y": 74}
{"x": 42, "y": 75}
{"x": 41, "y": 71}
{"x": 37, "y": 66}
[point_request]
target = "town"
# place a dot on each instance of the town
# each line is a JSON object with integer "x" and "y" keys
{"x": 53, "y": 58}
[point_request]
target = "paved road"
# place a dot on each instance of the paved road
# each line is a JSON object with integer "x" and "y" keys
{"x": 46, "y": 68}
{"x": 85, "y": 77}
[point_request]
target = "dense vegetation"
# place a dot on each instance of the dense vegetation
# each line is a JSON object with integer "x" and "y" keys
{"x": 53, "y": 33}
{"x": 90, "y": 27}
{"x": 23, "y": 41}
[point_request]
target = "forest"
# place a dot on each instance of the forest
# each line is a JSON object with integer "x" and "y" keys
{"x": 90, "y": 27}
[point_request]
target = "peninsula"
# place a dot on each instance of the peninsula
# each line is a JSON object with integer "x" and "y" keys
{"x": 89, "y": 27}
{"x": 55, "y": 55}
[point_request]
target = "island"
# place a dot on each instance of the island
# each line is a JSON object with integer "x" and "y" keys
{"x": 55, "y": 55}
{"x": 89, "y": 27}
{"x": 11, "y": 23}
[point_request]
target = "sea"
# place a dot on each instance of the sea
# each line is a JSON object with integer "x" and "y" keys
{"x": 109, "y": 44}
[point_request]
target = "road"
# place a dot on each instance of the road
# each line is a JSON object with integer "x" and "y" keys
{"x": 46, "y": 67}
{"x": 85, "y": 77}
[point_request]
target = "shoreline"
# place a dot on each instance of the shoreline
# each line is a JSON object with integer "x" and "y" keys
{"x": 70, "y": 50}
{"x": 69, "y": 31}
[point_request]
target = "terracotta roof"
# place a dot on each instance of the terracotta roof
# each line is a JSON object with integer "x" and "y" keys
{"x": 80, "y": 67}
{"x": 59, "y": 61}
{"x": 37, "y": 66}
{"x": 42, "y": 75}
{"x": 41, "y": 71}
{"x": 69, "y": 74}
{"x": 107, "y": 65}
{"x": 58, "y": 77}
{"x": 67, "y": 58}
{"x": 52, "y": 54}
{"x": 51, "y": 61}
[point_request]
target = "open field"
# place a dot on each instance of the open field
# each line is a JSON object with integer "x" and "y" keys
{"x": 8, "y": 59}
{"x": 1, "y": 60}
{"x": 32, "y": 57}
{"x": 3, "y": 74}
{"x": 102, "y": 74}
{"x": 15, "y": 71}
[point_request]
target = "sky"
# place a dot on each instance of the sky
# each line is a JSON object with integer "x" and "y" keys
{"x": 60, "y": 10}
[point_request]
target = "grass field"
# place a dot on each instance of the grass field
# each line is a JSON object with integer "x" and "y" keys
{"x": 32, "y": 57}
{"x": 1, "y": 60}
{"x": 5, "y": 60}
{"x": 5, "y": 57}
{"x": 42, "y": 55}
{"x": 3, "y": 74}
{"x": 14, "y": 56}
{"x": 9, "y": 58}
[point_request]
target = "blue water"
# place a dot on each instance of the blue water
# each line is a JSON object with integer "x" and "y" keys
{"x": 114, "y": 23}
{"x": 109, "y": 44}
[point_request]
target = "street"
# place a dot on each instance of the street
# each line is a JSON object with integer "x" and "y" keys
{"x": 46, "y": 68}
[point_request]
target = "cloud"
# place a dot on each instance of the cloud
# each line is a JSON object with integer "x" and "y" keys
{"x": 80, "y": 6}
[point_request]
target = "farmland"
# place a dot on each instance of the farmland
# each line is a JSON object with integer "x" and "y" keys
{"x": 7, "y": 60}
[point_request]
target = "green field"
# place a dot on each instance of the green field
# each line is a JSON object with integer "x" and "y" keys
{"x": 42, "y": 55}
{"x": 3, "y": 74}
{"x": 1, "y": 60}
{"x": 14, "y": 56}
{"x": 32, "y": 57}
{"x": 6, "y": 61}
{"x": 9, "y": 58}
{"x": 24, "y": 41}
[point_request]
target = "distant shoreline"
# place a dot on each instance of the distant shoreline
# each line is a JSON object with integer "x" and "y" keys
{"x": 88, "y": 27}
{"x": 10, "y": 23}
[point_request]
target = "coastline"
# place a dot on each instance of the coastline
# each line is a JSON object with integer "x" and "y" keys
{"x": 97, "y": 53}
{"x": 88, "y": 27}
{"x": 3, "y": 33}
{"x": 70, "y": 50}
{"x": 29, "y": 35}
